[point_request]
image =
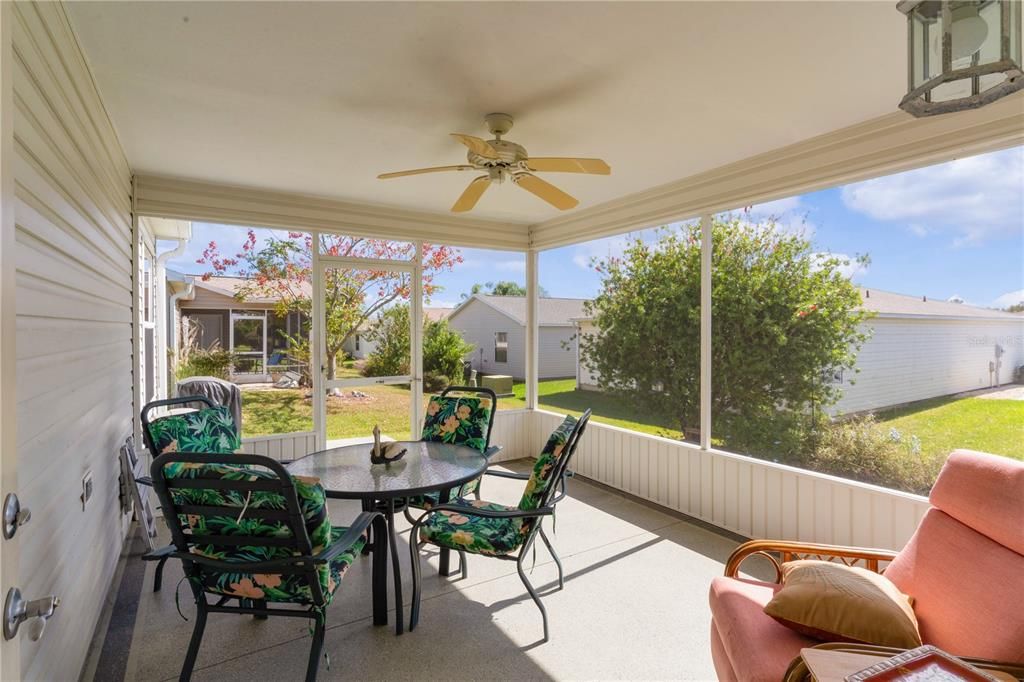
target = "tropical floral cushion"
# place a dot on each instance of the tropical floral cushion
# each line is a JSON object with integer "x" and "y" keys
{"x": 540, "y": 479}
{"x": 211, "y": 429}
{"x": 458, "y": 419}
{"x": 477, "y": 534}
{"x": 271, "y": 587}
{"x": 428, "y": 500}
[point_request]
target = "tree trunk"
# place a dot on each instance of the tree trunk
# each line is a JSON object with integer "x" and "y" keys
{"x": 332, "y": 363}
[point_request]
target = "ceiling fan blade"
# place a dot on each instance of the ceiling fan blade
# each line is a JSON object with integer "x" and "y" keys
{"x": 468, "y": 200}
{"x": 556, "y": 164}
{"x": 420, "y": 171}
{"x": 545, "y": 190}
{"x": 476, "y": 145}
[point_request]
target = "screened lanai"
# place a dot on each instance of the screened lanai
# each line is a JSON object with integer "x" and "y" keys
{"x": 125, "y": 123}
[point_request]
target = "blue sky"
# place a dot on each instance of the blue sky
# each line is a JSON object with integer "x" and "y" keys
{"x": 954, "y": 229}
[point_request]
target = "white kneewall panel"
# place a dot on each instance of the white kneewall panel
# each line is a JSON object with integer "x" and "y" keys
{"x": 74, "y": 334}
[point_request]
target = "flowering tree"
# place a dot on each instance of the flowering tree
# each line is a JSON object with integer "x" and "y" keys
{"x": 785, "y": 319}
{"x": 281, "y": 269}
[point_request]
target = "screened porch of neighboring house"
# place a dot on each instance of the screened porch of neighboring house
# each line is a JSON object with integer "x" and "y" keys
{"x": 125, "y": 126}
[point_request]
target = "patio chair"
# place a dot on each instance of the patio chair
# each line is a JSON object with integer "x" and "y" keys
{"x": 455, "y": 417}
{"x": 963, "y": 567}
{"x": 208, "y": 429}
{"x": 497, "y": 530}
{"x": 245, "y": 530}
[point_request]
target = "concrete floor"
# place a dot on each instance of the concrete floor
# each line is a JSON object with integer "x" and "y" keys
{"x": 634, "y": 607}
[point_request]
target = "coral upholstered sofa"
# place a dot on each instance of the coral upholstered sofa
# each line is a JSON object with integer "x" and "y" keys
{"x": 964, "y": 568}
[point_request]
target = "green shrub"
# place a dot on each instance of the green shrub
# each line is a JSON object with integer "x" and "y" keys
{"x": 443, "y": 349}
{"x": 434, "y": 382}
{"x": 201, "y": 362}
{"x": 861, "y": 449}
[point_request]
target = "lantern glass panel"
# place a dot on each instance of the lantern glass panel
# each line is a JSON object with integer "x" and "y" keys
{"x": 991, "y": 49}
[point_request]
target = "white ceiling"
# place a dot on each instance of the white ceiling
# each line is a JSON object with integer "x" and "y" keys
{"x": 319, "y": 98}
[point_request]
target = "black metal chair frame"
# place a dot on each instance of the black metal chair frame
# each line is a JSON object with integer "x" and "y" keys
{"x": 489, "y": 450}
{"x": 304, "y": 562}
{"x": 162, "y": 554}
{"x": 550, "y": 498}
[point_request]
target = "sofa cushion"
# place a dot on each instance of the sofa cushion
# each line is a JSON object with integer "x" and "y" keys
{"x": 984, "y": 492}
{"x": 967, "y": 589}
{"x": 758, "y": 647}
{"x": 839, "y": 603}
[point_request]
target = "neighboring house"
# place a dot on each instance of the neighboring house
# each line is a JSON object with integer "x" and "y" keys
{"x": 212, "y": 316}
{"x": 918, "y": 349}
{"x": 496, "y": 326}
{"x": 361, "y": 344}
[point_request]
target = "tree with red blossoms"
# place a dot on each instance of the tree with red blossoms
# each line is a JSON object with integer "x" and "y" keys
{"x": 281, "y": 269}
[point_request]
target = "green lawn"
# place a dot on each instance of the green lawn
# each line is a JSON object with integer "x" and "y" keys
{"x": 944, "y": 424}
{"x": 283, "y": 410}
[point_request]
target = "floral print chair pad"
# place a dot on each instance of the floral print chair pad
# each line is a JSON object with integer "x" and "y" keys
{"x": 460, "y": 420}
{"x": 482, "y": 535}
{"x": 210, "y": 430}
{"x": 477, "y": 534}
{"x": 270, "y": 587}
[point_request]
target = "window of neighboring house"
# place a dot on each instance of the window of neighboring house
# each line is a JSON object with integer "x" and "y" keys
{"x": 501, "y": 347}
{"x": 357, "y": 342}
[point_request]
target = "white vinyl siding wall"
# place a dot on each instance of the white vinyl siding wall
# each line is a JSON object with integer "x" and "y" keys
{"x": 74, "y": 333}
{"x": 557, "y": 351}
{"x": 913, "y": 359}
{"x": 478, "y": 322}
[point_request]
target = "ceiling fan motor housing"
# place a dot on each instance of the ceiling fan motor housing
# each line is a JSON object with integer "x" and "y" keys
{"x": 509, "y": 154}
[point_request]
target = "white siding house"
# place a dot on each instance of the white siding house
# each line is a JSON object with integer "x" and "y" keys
{"x": 481, "y": 318}
{"x": 361, "y": 344}
{"x": 918, "y": 349}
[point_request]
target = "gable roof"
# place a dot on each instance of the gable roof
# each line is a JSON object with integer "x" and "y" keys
{"x": 890, "y": 304}
{"x": 553, "y": 312}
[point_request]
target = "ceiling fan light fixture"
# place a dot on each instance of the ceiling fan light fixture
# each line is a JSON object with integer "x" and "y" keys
{"x": 501, "y": 159}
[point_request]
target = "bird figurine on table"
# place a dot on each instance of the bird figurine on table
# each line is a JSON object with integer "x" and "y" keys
{"x": 385, "y": 453}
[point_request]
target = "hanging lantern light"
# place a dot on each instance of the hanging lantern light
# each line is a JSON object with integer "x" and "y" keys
{"x": 962, "y": 55}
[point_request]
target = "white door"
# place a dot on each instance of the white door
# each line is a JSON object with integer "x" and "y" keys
{"x": 379, "y": 301}
{"x": 10, "y": 662}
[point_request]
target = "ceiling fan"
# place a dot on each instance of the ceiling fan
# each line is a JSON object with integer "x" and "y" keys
{"x": 502, "y": 160}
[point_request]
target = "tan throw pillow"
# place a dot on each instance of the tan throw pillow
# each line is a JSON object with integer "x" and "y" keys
{"x": 837, "y": 603}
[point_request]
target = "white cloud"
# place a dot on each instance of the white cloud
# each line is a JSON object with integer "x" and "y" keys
{"x": 790, "y": 216}
{"x": 972, "y": 199}
{"x": 851, "y": 269}
{"x": 1008, "y": 299}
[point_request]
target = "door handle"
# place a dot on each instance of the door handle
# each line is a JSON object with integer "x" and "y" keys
{"x": 14, "y": 516}
{"x": 17, "y": 611}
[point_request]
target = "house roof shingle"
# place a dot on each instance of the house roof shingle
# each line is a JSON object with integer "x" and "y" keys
{"x": 889, "y": 303}
{"x": 553, "y": 312}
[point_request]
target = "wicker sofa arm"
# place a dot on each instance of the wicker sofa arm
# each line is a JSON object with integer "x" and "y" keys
{"x": 780, "y": 551}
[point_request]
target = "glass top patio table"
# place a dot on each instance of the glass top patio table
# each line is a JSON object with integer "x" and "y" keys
{"x": 346, "y": 472}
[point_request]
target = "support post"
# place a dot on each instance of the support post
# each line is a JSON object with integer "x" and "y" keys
{"x": 532, "y": 330}
{"x": 317, "y": 345}
{"x": 705, "y": 330}
{"x": 416, "y": 343}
